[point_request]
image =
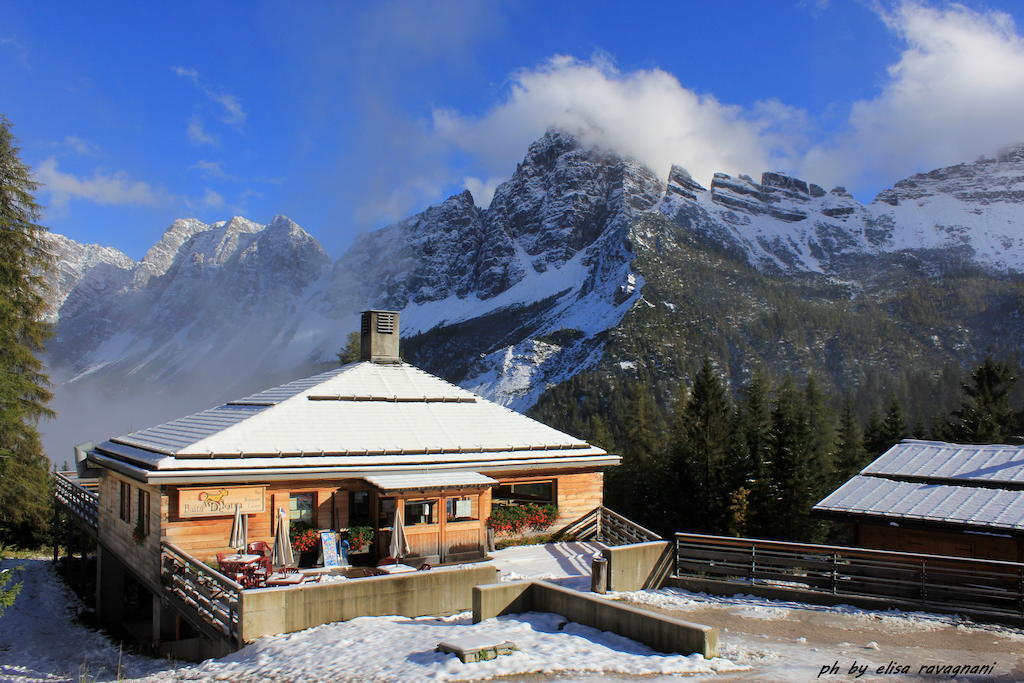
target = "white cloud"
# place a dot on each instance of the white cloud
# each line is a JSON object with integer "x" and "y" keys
{"x": 233, "y": 112}
{"x": 198, "y": 134}
{"x": 210, "y": 169}
{"x": 212, "y": 199}
{"x": 644, "y": 114}
{"x": 112, "y": 189}
{"x": 482, "y": 190}
{"x": 957, "y": 91}
{"x": 80, "y": 146}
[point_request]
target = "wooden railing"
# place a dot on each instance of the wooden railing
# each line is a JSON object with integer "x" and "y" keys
{"x": 609, "y": 527}
{"x": 77, "y": 500}
{"x": 931, "y": 581}
{"x": 201, "y": 590}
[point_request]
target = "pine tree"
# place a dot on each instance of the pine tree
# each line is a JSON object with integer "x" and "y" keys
{"x": 24, "y": 476}
{"x": 985, "y": 414}
{"x": 702, "y": 445}
{"x": 750, "y": 462}
{"x": 823, "y": 438}
{"x": 894, "y": 427}
{"x": 629, "y": 485}
{"x": 850, "y": 455}
{"x": 351, "y": 351}
{"x": 874, "y": 435}
{"x": 795, "y": 474}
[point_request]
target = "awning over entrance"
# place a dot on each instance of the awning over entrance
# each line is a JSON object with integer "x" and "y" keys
{"x": 429, "y": 480}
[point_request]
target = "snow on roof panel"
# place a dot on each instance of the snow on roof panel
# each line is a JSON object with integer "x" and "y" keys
{"x": 176, "y": 435}
{"x": 302, "y": 426}
{"x": 970, "y": 505}
{"x": 991, "y": 463}
{"x": 426, "y": 480}
{"x": 286, "y": 391}
{"x": 377, "y": 381}
{"x": 392, "y": 409}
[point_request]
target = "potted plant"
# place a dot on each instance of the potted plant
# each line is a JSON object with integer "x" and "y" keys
{"x": 304, "y": 540}
{"x": 360, "y": 538}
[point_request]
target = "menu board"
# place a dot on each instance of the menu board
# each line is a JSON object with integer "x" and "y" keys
{"x": 329, "y": 545}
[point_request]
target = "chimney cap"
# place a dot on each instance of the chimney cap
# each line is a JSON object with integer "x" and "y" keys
{"x": 378, "y": 338}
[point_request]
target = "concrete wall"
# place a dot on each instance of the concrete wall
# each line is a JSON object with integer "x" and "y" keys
{"x": 662, "y": 633}
{"x": 267, "y": 611}
{"x": 639, "y": 565}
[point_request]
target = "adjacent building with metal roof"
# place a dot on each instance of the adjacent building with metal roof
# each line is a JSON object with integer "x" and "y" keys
{"x": 937, "y": 497}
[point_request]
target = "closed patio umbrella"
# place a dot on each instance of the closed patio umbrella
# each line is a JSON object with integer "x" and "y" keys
{"x": 239, "y": 530}
{"x": 282, "y": 556}
{"x": 399, "y": 543}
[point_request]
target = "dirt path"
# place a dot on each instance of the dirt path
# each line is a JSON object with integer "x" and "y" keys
{"x": 790, "y": 641}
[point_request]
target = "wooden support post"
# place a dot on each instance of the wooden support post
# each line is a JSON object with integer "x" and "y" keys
{"x": 599, "y": 575}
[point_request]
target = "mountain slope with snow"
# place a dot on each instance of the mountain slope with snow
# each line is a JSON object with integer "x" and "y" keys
{"x": 583, "y": 262}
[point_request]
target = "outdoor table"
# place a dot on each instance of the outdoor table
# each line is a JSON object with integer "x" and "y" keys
{"x": 241, "y": 564}
{"x": 279, "y": 579}
{"x": 396, "y": 568}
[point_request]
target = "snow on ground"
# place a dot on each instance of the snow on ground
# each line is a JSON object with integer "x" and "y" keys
{"x": 41, "y": 641}
{"x": 783, "y": 641}
{"x": 761, "y": 640}
{"x": 402, "y": 649}
{"x": 567, "y": 564}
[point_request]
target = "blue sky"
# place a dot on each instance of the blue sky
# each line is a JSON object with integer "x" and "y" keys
{"x": 347, "y": 116}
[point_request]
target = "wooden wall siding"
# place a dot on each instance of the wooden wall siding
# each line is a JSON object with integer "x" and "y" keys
{"x": 939, "y": 542}
{"x": 116, "y": 535}
{"x": 578, "y": 491}
{"x": 204, "y": 537}
{"x": 462, "y": 537}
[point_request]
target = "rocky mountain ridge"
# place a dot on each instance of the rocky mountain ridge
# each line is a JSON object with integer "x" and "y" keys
{"x": 577, "y": 246}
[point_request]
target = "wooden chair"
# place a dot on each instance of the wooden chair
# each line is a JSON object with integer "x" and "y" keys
{"x": 260, "y": 548}
{"x": 229, "y": 569}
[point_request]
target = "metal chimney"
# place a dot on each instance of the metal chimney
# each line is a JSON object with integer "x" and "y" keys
{"x": 378, "y": 341}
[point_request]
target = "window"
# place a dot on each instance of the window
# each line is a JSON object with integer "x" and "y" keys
{"x": 420, "y": 512}
{"x": 126, "y": 502}
{"x": 542, "y": 492}
{"x": 387, "y": 512}
{"x": 142, "y": 514}
{"x": 301, "y": 507}
{"x": 462, "y": 509}
{"x": 359, "y": 508}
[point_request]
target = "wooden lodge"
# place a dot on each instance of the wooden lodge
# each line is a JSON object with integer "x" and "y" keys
{"x": 937, "y": 498}
{"x": 339, "y": 450}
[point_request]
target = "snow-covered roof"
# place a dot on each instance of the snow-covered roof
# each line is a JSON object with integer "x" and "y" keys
{"x": 964, "y": 484}
{"x": 967, "y": 505}
{"x": 934, "y": 460}
{"x": 362, "y": 414}
{"x": 428, "y": 480}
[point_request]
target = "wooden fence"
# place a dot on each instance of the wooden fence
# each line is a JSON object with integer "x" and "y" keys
{"x": 80, "y": 502}
{"x": 609, "y": 527}
{"x": 930, "y": 581}
{"x": 202, "y": 591}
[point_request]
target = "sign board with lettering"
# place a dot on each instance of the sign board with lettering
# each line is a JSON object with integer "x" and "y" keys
{"x": 329, "y": 545}
{"x": 220, "y": 501}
